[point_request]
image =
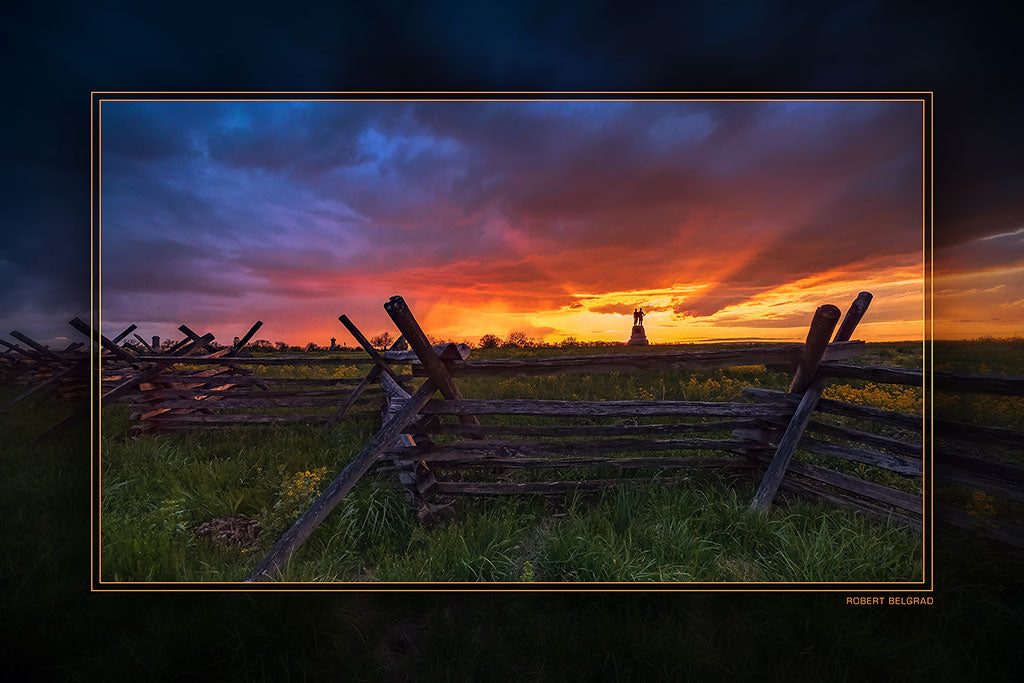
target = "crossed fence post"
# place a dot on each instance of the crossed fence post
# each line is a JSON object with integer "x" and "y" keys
{"x": 805, "y": 382}
{"x": 438, "y": 380}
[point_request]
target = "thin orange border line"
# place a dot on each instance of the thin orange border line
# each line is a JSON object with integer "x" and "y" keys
{"x": 508, "y": 92}
{"x": 93, "y": 195}
{"x": 483, "y": 586}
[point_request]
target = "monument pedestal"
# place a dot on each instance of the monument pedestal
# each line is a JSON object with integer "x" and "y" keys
{"x": 639, "y": 337}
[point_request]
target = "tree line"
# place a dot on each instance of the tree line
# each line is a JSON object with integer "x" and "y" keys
{"x": 514, "y": 340}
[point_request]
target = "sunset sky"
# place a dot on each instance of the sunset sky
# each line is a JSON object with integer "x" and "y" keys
{"x": 723, "y": 220}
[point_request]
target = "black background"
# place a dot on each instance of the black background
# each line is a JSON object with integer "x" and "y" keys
{"x": 55, "y": 54}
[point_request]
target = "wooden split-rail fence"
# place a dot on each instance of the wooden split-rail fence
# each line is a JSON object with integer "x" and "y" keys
{"x": 187, "y": 387}
{"x": 652, "y": 438}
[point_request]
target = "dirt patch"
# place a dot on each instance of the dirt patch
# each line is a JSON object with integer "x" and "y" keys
{"x": 229, "y": 531}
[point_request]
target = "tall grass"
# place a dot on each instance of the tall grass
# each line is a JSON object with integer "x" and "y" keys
{"x": 53, "y": 625}
{"x": 157, "y": 489}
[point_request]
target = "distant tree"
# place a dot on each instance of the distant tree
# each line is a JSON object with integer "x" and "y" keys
{"x": 490, "y": 341}
{"x": 382, "y": 340}
{"x": 570, "y": 341}
{"x": 280, "y": 346}
{"x": 518, "y": 340}
{"x": 261, "y": 345}
{"x": 311, "y": 347}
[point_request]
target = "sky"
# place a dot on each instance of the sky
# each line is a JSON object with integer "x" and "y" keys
{"x": 55, "y": 56}
{"x": 723, "y": 220}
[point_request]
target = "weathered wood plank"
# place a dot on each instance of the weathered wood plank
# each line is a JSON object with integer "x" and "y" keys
{"x": 188, "y": 332}
{"x": 39, "y": 348}
{"x": 39, "y": 389}
{"x": 873, "y": 373}
{"x": 125, "y": 332}
{"x": 820, "y": 331}
{"x": 549, "y": 463}
{"x": 1004, "y": 532}
{"x": 611, "y": 362}
{"x": 841, "y": 408}
{"x": 342, "y": 484}
{"x": 371, "y": 377}
{"x": 861, "y": 487}
{"x": 883, "y": 442}
{"x": 416, "y": 478}
{"x": 1003, "y": 385}
{"x": 237, "y": 346}
{"x": 787, "y": 446}
{"x": 894, "y": 463}
{"x": 187, "y": 351}
{"x": 131, "y": 383}
{"x": 812, "y": 387}
{"x": 17, "y": 349}
{"x": 591, "y": 430}
{"x": 381, "y": 369}
{"x": 546, "y": 408}
{"x": 291, "y": 359}
{"x": 113, "y": 348}
{"x": 545, "y": 488}
{"x": 437, "y": 371}
{"x": 507, "y": 448}
{"x": 194, "y": 419}
{"x": 970, "y": 462}
{"x": 944, "y": 429}
{"x": 816, "y": 491}
{"x": 448, "y": 351}
{"x": 254, "y": 403}
{"x": 172, "y": 379}
{"x": 368, "y": 348}
{"x": 956, "y": 476}
{"x": 145, "y": 345}
{"x": 229, "y": 391}
{"x": 980, "y": 434}
{"x": 853, "y": 316}
{"x": 173, "y": 349}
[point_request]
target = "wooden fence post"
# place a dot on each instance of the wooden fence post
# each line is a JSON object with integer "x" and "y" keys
{"x": 145, "y": 345}
{"x": 822, "y": 326}
{"x": 416, "y": 477}
{"x": 42, "y": 350}
{"x": 237, "y": 346}
{"x": 18, "y": 349}
{"x": 406, "y": 323}
{"x": 380, "y": 366}
{"x": 342, "y": 484}
{"x": 825, "y": 319}
{"x": 121, "y": 353}
{"x": 368, "y": 347}
{"x": 124, "y": 333}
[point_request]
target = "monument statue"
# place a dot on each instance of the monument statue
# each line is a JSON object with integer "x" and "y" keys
{"x": 639, "y": 336}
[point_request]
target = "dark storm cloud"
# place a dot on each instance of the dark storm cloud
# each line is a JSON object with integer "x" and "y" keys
{"x": 303, "y": 198}
{"x": 55, "y": 57}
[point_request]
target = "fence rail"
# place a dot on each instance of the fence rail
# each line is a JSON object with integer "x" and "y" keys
{"x": 777, "y": 436}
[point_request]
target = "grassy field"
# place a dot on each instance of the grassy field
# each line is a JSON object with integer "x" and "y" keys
{"x": 158, "y": 489}
{"x": 53, "y": 623}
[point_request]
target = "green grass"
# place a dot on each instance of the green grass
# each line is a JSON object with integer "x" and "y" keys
{"x": 157, "y": 489}
{"x": 52, "y": 624}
